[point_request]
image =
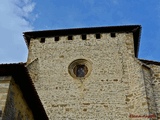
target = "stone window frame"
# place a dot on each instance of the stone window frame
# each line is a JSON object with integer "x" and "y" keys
{"x": 77, "y": 62}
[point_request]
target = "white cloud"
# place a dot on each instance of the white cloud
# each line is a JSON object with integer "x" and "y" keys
{"x": 15, "y": 18}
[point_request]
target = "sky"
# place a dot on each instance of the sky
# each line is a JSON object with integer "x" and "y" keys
{"x": 18, "y": 16}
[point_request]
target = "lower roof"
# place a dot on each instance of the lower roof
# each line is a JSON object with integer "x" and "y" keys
{"x": 21, "y": 77}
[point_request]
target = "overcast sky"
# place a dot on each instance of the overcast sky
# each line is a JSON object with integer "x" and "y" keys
{"x": 18, "y": 16}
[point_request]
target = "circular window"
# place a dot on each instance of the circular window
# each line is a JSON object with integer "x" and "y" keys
{"x": 80, "y": 68}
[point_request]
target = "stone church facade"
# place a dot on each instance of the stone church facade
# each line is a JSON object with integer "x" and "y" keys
{"x": 93, "y": 74}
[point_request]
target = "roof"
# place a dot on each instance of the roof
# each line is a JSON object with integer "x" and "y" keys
{"x": 149, "y": 62}
{"x": 21, "y": 77}
{"x": 135, "y": 29}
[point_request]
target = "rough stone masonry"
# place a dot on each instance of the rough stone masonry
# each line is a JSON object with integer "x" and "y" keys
{"x": 93, "y": 74}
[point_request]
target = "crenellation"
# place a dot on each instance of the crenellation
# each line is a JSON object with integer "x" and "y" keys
{"x": 53, "y": 40}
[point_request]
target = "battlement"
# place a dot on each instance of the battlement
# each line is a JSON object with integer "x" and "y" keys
{"x": 97, "y": 36}
{"x": 83, "y": 34}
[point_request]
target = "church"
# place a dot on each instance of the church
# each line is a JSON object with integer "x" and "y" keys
{"x": 81, "y": 74}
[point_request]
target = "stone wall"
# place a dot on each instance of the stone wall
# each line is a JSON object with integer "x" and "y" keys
{"x": 156, "y": 86}
{"x": 16, "y": 107}
{"x": 147, "y": 72}
{"x": 4, "y": 86}
{"x": 114, "y": 89}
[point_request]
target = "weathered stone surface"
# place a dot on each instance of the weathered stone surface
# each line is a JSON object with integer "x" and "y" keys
{"x": 4, "y": 86}
{"x": 16, "y": 107}
{"x": 119, "y": 84}
{"x": 156, "y": 86}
